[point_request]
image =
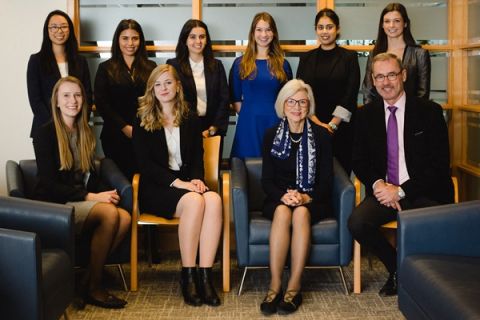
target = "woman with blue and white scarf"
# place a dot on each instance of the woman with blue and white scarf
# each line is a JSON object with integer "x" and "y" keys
{"x": 297, "y": 179}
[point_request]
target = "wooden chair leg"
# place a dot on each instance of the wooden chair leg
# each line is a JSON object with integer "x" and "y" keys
{"x": 134, "y": 258}
{"x": 357, "y": 276}
{"x": 226, "y": 232}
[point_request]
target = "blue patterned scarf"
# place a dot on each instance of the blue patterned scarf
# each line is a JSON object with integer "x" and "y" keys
{"x": 306, "y": 155}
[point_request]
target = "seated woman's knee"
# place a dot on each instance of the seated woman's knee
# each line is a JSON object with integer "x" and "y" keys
{"x": 301, "y": 215}
{"x": 283, "y": 214}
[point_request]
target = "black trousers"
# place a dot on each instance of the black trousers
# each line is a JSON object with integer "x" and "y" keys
{"x": 369, "y": 216}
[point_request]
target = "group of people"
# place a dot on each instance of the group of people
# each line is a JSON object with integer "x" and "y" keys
{"x": 155, "y": 118}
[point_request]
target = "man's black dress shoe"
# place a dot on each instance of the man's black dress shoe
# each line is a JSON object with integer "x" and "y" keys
{"x": 390, "y": 287}
{"x": 269, "y": 304}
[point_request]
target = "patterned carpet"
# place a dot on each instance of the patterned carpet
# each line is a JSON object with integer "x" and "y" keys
{"x": 159, "y": 296}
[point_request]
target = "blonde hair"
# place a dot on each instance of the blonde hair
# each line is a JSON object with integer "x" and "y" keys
{"x": 276, "y": 58}
{"x": 290, "y": 89}
{"x": 86, "y": 139}
{"x": 150, "y": 110}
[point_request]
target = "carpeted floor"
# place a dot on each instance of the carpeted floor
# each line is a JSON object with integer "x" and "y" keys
{"x": 159, "y": 296}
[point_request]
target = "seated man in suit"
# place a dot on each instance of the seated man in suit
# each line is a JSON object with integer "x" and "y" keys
{"x": 401, "y": 155}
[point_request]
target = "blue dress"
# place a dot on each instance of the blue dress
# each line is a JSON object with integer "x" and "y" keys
{"x": 257, "y": 113}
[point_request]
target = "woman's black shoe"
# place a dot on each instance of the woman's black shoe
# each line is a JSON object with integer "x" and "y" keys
{"x": 269, "y": 304}
{"x": 206, "y": 289}
{"x": 189, "y": 284}
{"x": 290, "y": 303}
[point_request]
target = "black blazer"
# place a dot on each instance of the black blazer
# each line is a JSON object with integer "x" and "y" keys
{"x": 40, "y": 86}
{"x": 56, "y": 185}
{"x": 416, "y": 61}
{"x": 117, "y": 99}
{"x": 217, "y": 95}
{"x": 426, "y": 146}
{"x": 275, "y": 179}
{"x": 152, "y": 153}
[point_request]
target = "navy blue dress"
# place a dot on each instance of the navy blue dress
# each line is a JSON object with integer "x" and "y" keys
{"x": 257, "y": 113}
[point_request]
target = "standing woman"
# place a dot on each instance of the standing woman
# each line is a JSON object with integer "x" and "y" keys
{"x": 334, "y": 75}
{"x": 119, "y": 82}
{"x": 64, "y": 150}
{"x": 203, "y": 78}
{"x": 394, "y": 36}
{"x": 58, "y": 57}
{"x": 169, "y": 148}
{"x": 255, "y": 79}
{"x": 297, "y": 175}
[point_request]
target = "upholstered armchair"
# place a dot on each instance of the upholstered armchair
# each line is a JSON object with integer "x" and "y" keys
{"x": 439, "y": 262}
{"x": 21, "y": 180}
{"x": 331, "y": 240}
{"x": 36, "y": 259}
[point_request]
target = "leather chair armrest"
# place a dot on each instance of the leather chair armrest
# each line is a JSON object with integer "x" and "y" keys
{"x": 14, "y": 178}
{"x": 116, "y": 179}
{"x": 446, "y": 230}
{"x": 20, "y": 271}
{"x": 239, "y": 194}
{"x": 53, "y": 223}
{"x": 343, "y": 201}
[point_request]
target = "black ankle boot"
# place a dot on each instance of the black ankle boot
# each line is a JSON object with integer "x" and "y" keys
{"x": 206, "y": 289}
{"x": 189, "y": 284}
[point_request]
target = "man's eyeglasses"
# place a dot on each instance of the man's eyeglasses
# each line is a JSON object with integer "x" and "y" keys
{"x": 390, "y": 76}
{"x": 291, "y": 103}
{"x": 54, "y": 28}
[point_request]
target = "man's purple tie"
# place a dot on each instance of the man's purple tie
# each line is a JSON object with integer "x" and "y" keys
{"x": 392, "y": 147}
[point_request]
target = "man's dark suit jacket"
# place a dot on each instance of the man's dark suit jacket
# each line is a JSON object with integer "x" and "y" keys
{"x": 40, "y": 86}
{"x": 217, "y": 94}
{"x": 426, "y": 146}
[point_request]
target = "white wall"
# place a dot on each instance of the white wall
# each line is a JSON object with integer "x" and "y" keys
{"x": 21, "y": 35}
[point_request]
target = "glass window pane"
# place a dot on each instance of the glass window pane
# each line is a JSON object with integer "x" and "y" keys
{"x": 473, "y": 76}
{"x": 359, "y": 19}
{"x": 474, "y": 21}
{"x": 472, "y": 139}
{"x": 230, "y": 20}
{"x": 160, "y": 20}
{"x": 439, "y": 77}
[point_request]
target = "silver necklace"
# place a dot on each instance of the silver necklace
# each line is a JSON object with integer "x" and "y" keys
{"x": 295, "y": 141}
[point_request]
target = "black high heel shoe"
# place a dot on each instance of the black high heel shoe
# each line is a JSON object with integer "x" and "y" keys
{"x": 206, "y": 289}
{"x": 189, "y": 284}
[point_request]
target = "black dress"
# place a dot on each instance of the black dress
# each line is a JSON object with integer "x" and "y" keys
{"x": 334, "y": 76}
{"x": 116, "y": 99}
{"x": 279, "y": 175}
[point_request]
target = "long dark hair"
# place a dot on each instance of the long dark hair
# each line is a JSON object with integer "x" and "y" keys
{"x": 381, "y": 45}
{"x": 48, "y": 61}
{"x": 181, "y": 50}
{"x": 140, "y": 63}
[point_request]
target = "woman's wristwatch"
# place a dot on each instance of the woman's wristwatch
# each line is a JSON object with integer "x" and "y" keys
{"x": 211, "y": 132}
{"x": 333, "y": 126}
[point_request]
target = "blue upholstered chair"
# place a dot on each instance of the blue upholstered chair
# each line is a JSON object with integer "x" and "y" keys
{"x": 439, "y": 262}
{"x": 21, "y": 180}
{"x": 331, "y": 240}
{"x": 36, "y": 259}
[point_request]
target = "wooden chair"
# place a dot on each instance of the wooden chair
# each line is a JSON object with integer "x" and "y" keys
{"x": 211, "y": 159}
{"x": 389, "y": 229}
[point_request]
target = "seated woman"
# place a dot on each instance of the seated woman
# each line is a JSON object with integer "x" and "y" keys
{"x": 64, "y": 149}
{"x": 297, "y": 179}
{"x": 168, "y": 144}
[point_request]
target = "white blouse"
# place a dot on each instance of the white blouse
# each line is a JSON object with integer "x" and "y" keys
{"x": 173, "y": 145}
{"x": 63, "y": 68}
{"x": 198, "y": 72}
